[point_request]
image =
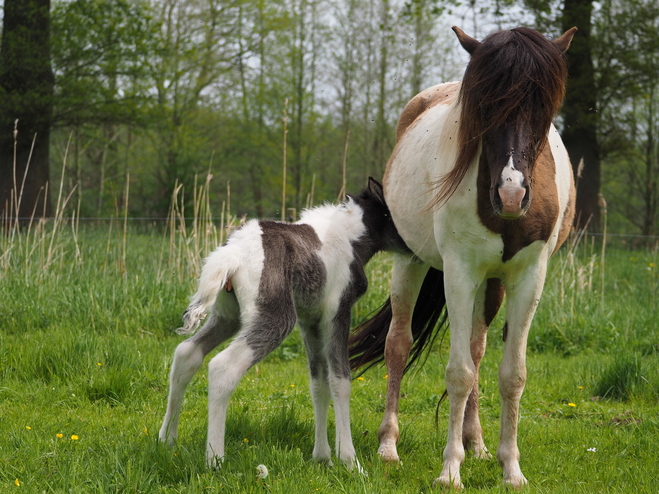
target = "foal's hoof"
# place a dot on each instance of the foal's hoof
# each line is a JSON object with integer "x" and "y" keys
{"x": 214, "y": 462}
{"x": 354, "y": 466}
{"x": 168, "y": 440}
{"x": 324, "y": 461}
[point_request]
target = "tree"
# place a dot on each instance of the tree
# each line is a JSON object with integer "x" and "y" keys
{"x": 26, "y": 90}
{"x": 580, "y": 113}
{"x": 627, "y": 52}
{"x": 100, "y": 53}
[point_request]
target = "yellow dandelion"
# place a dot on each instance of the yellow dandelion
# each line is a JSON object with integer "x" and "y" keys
{"x": 386, "y": 376}
{"x": 146, "y": 431}
{"x": 360, "y": 378}
{"x": 651, "y": 265}
{"x": 59, "y": 435}
{"x": 245, "y": 440}
{"x": 572, "y": 404}
{"x": 17, "y": 483}
{"x": 28, "y": 427}
{"x": 292, "y": 385}
{"x": 74, "y": 437}
{"x": 99, "y": 364}
{"x": 579, "y": 387}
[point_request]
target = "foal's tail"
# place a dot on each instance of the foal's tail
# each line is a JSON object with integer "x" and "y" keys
{"x": 218, "y": 269}
{"x": 367, "y": 341}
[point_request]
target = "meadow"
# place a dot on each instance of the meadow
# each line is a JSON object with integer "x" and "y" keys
{"x": 86, "y": 338}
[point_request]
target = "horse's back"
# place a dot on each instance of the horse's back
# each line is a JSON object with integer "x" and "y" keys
{"x": 440, "y": 94}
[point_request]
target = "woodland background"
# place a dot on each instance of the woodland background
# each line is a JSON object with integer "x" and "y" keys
{"x": 130, "y": 99}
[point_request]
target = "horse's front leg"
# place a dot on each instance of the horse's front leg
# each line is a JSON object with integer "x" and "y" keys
{"x": 523, "y": 297}
{"x": 320, "y": 389}
{"x": 488, "y": 301}
{"x": 406, "y": 282}
{"x": 336, "y": 355}
{"x": 460, "y": 288}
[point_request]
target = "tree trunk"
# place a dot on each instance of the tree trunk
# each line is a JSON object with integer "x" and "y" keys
{"x": 580, "y": 114}
{"x": 26, "y": 103}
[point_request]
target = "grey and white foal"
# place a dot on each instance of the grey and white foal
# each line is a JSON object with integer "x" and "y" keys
{"x": 267, "y": 277}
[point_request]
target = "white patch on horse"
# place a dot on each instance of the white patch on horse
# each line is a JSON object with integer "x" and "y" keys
{"x": 510, "y": 175}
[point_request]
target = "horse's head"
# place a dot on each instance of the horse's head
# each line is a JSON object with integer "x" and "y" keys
{"x": 513, "y": 88}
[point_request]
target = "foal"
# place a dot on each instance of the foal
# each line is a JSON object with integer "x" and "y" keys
{"x": 267, "y": 277}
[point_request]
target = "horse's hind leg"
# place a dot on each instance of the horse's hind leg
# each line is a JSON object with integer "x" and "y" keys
{"x": 406, "y": 282}
{"x": 188, "y": 357}
{"x": 488, "y": 301}
{"x": 260, "y": 334}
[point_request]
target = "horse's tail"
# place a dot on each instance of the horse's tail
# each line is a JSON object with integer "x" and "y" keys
{"x": 367, "y": 341}
{"x": 216, "y": 274}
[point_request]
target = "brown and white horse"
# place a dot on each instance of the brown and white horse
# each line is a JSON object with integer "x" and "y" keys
{"x": 480, "y": 187}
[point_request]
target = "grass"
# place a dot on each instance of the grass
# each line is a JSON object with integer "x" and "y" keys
{"x": 86, "y": 320}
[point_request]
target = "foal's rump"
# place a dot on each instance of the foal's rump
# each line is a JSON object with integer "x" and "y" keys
{"x": 230, "y": 266}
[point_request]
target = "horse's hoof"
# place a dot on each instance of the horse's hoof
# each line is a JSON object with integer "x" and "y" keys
{"x": 482, "y": 454}
{"x": 445, "y": 482}
{"x": 388, "y": 453}
{"x": 516, "y": 482}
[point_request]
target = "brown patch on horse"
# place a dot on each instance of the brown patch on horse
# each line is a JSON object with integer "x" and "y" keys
{"x": 538, "y": 222}
{"x": 445, "y": 94}
{"x": 493, "y": 299}
{"x": 511, "y": 76}
{"x": 568, "y": 215}
{"x": 228, "y": 286}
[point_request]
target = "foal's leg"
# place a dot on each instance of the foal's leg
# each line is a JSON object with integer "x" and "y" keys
{"x": 320, "y": 389}
{"x": 336, "y": 354}
{"x": 523, "y": 297}
{"x": 263, "y": 330}
{"x": 188, "y": 357}
{"x": 460, "y": 288}
{"x": 407, "y": 278}
{"x": 488, "y": 301}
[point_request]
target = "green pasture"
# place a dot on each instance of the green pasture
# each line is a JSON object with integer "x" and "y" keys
{"x": 86, "y": 338}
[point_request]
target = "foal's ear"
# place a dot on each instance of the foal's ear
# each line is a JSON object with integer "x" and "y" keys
{"x": 375, "y": 188}
{"x": 468, "y": 43}
{"x": 563, "y": 43}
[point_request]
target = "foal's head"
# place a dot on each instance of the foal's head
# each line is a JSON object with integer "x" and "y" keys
{"x": 381, "y": 233}
{"x": 512, "y": 89}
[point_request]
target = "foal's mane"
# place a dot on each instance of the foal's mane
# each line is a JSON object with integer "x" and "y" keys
{"x": 512, "y": 76}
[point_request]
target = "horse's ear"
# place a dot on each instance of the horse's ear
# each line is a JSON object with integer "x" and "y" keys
{"x": 563, "y": 43}
{"x": 375, "y": 188}
{"x": 468, "y": 43}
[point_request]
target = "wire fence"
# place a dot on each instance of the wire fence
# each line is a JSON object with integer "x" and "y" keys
{"x": 624, "y": 239}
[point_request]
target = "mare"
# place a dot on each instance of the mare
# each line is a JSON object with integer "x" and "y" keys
{"x": 268, "y": 276}
{"x": 481, "y": 190}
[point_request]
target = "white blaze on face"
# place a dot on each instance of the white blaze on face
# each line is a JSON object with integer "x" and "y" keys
{"x": 511, "y": 190}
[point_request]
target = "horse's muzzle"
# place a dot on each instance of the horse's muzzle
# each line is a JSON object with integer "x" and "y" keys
{"x": 511, "y": 201}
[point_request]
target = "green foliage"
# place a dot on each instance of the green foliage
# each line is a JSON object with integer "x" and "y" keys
{"x": 621, "y": 378}
{"x": 86, "y": 345}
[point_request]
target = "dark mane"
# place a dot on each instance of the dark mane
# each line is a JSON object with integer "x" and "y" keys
{"x": 513, "y": 77}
